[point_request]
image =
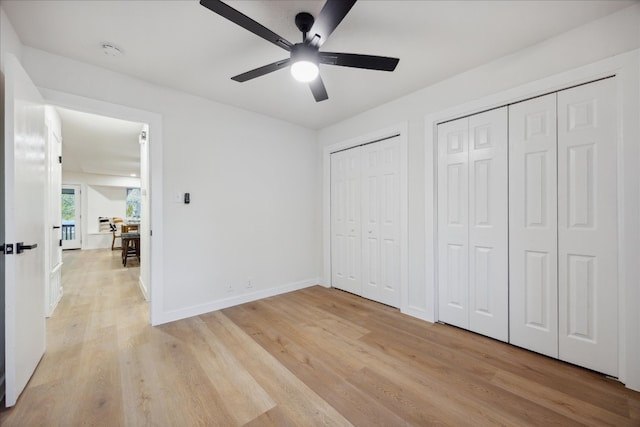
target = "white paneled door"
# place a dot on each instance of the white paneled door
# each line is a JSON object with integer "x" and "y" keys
{"x": 365, "y": 221}
{"x": 24, "y": 222}
{"x": 563, "y": 226}
{"x": 380, "y": 164}
{"x": 587, "y": 226}
{"x": 345, "y": 221}
{"x": 453, "y": 223}
{"x": 472, "y": 223}
{"x": 488, "y": 229}
{"x": 533, "y": 238}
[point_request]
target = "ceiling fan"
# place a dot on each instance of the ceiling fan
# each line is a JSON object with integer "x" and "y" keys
{"x": 305, "y": 57}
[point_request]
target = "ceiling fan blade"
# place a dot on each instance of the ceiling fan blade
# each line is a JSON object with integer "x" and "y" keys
{"x": 318, "y": 89}
{"x": 370, "y": 62}
{"x": 261, "y": 71}
{"x": 245, "y": 22}
{"x": 332, "y": 13}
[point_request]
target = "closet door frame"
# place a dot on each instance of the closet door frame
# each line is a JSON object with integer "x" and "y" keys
{"x": 625, "y": 69}
{"x": 401, "y": 131}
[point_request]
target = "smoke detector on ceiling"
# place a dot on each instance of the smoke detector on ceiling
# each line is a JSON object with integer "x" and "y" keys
{"x": 111, "y": 50}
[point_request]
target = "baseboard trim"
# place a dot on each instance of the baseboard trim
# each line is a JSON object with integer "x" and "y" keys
{"x": 143, "y": 288}
{"x": 171, "y": 316}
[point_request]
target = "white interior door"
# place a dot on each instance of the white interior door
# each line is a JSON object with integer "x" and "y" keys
{"x": 453, "y": 224}
{"x": 24, "y": 194}
{"x": 55, "y": 181}
{"x": 587, "y": 226}
{"x": 54, "y": 223}
{"x": 345, "y": 221}
{"x": 380, "y": 164}
{"x": 71, "y": 217}
{"x": 533, "y": 230}
{"x": 472, "y": 223}
{"x": 488, "y": 224}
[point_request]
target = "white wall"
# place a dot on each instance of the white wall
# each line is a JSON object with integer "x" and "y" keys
{"x": 100, "y": 200}
{"x": 254, "y": 209}
{"x": 103, "y": 201}
{"x": 97, "y": 179}
{"x": 9, "y": 41}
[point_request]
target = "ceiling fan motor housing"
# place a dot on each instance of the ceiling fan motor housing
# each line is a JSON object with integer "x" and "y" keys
{"x": 304, "y": 22}
{"x": 304, "y": 52}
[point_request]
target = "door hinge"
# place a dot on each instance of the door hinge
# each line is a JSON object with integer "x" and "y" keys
{"x": 60, "y": 243}
{"x": 60, "y": 159}
{"x": 6, "y": 249}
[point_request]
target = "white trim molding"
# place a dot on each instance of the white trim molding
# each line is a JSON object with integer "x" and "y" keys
{"x": 154, "y": 120}
{"x": 220, "y": 304}
{"x": 400, "y": 129}
{"x": 143, "y": 288}
{"x": 626, "y": 69}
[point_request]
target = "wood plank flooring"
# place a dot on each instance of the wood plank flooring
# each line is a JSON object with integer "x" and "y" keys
{"x": 312, "y": 357}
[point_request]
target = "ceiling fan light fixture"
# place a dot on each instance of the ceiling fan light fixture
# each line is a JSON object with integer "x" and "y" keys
{"x": 304, "y": 71}
{"x": 304, "y": 63}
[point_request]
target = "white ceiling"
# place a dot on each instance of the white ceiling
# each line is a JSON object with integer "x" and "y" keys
{"x": 182, "y": 45}
{"x": 99, "y": 145}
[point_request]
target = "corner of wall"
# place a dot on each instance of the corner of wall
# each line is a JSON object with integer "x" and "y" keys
{"x": 9, "y": 40}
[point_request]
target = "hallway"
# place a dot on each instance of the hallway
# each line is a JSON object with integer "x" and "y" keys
{"x": 102, "y": 308}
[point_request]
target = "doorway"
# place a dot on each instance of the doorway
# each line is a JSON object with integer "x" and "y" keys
{"x": 152, "y": 259}
{"x": 71, "y": 227}
{"x": 105, "y": 186}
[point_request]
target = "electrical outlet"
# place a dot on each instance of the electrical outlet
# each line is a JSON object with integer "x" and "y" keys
{"x": 249, "y": 284}
{"x": 229, "y": 287}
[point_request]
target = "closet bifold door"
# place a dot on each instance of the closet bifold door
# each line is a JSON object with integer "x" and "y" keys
{"x": 587, "y": 226}
{"x": 488, "y": 224}
{"x": 453, "y": 224}
{"x": 345, "y": 221}
{"x": 380, "y": 165}
{"x": 533, "y": 232}
{"x": 472, "y": 223}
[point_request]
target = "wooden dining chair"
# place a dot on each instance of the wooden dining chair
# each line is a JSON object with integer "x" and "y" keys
{"x": 129, "y": 228}
{"x": 116, "y": 229}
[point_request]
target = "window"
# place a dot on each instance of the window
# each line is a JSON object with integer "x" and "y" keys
{"x": 133, "y": 203}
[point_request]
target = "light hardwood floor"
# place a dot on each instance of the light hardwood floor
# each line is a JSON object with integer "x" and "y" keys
{"x": 312, "y": 357}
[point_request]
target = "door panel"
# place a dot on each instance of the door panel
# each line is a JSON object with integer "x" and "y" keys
{"x": 24, "y": 193}
{"x": 587, "y": 226}
{"x": 488, "y": 262}
{"x": 453, "y": 229}
{"x": 345, "y": 221}
{"x": 533, "y": 225}
{"x": 381, "y": 221}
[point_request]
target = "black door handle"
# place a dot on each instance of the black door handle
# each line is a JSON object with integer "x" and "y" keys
{"x": 21, "y": 247}
{"x": 56, "y": 226}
